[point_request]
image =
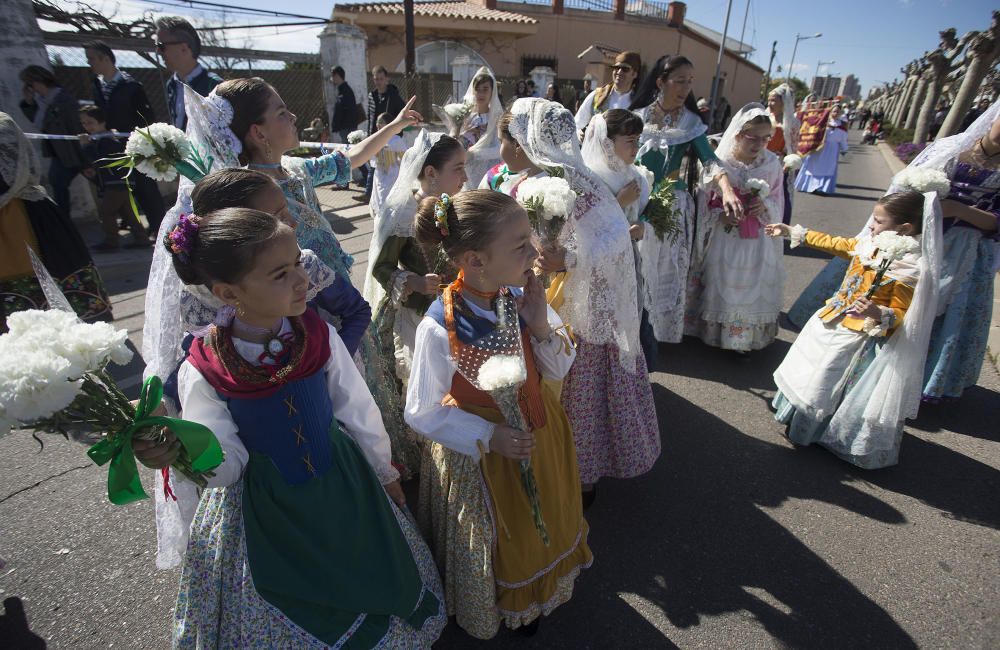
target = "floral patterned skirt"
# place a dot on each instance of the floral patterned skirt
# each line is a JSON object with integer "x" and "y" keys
{"x": 612, "y": 414}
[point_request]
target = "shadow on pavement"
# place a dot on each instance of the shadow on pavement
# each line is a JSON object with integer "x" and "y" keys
{"x": 14, "y": 628}
{"x": 962, "y": 416}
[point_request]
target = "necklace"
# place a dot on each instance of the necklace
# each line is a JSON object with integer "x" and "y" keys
{"x": 485, "y": 295}
{"x": 254, "y": 165}
{"x": 670, "y": 115}
{"x": 274, "y": 343}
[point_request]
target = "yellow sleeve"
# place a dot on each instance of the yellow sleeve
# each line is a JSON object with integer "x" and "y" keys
{"x": 839, "y": 246}
{"x": 899, "y": 301}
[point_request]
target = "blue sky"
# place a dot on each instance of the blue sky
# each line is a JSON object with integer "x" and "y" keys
{"x": 871, "y": 39}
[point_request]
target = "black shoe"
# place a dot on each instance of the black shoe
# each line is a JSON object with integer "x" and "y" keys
{"x": 531, "y": 629}
{"x": 588, "y": 497}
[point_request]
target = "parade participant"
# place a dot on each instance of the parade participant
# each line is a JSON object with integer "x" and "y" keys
{"x": 478, "y": 132}
{"x": 854, "y": 373}
{"x": 818, "y": 174}
{"x": 673, "y": 131}
{"x": 29, "y": 218}
{"x": 607, "y": 393}
{"x": 386, "y": 167}
{"x": 617, "y": 94}
{"x": 785, "y": 141}
{"x": 496, "y": 564}
{"x": 403, "y": 277}
{"x": 273, "y": 544}
{"x": 737, "y": 275}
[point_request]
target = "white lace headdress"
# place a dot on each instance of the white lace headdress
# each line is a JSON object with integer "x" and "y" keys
{"x": 599, "y": 155}
{"x": 489, "y": 144}
{"x": 789, "y": 124}
{"x": 162, "y": 334}
{"x": 19, "y": 164}
{"x": 395, "y": 217}
{"x": 600, "y": 288}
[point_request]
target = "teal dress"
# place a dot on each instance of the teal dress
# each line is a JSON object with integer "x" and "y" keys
{"x": 663, "y": 148}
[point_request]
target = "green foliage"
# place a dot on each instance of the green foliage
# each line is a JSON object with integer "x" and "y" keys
{"x": 896, "y": 136}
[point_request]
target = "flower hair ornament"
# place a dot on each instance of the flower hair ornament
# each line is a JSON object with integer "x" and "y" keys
{"x": 441, "y": 214}
{"x": 181, "y": 238}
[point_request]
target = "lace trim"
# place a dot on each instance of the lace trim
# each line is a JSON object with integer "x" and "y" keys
{"x": 398, "y": 291}
{"x": 881, "y": 326}
{"x": 797, "y": 235}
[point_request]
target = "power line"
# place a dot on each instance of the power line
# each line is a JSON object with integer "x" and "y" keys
{"x": 256, "y": 26}
{"x": 234, "y": 9}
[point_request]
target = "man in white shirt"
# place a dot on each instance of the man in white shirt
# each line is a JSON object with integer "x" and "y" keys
{"x": 617, "y": 94}
{"x": 179, "y": 46}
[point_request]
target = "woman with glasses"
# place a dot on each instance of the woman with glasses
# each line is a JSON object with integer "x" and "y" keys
{"x": 737, "y": 275}
{"x": 617, "y": 94}
{"x": 819, "y": 170}
{"x": 673, "y": 131}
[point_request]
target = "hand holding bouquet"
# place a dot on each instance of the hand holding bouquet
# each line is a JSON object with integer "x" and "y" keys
{"x": 453, "y": 116}
{"x": 891, "y": 247}
{"x": 53, "y": 378}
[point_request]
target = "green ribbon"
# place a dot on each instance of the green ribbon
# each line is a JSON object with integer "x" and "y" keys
{"x": 198, "y": 440}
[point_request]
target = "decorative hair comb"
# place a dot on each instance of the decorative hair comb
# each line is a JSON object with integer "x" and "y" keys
{"x": 441, "y": 214}
{"x": 182, "y": 237}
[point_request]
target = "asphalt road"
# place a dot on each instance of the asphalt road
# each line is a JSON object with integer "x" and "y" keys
{"x": 735, "y": 539}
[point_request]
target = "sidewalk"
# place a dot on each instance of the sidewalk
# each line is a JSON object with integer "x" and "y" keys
{"x": 993, "y": 343}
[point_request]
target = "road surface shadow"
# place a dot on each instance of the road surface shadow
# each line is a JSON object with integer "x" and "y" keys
{"x": 14, "y": 629}
{"x": 964, "y": 416}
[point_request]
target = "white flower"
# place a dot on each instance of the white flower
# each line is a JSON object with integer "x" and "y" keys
{"x": 86, "y": 347}
{"x": 458, "y": 112}
{"x": 923, "y": 179}
{"x": 355, "y": 137}
{"x": 758, "y": 187}
{"x": 152, "y": 169}
{"x": 168, "y": 135}
{"x": 793, "y": 161}
{"x": 139, "y": 145}
{"x": 35, "y": 384}
{"x": 552, "y": 195}
{"x": 893, "y": 246}
{"x": 502, "y": 371}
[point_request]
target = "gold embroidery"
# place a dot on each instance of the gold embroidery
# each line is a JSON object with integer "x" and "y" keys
{"x": 291, "y": 407}
{"x": 299, "y": 438}
{"x": 309, "y": 466}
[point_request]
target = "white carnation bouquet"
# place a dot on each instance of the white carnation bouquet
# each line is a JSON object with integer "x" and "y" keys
{"x": 53, "y": 378}
{"x": 792, "y": 162}
{"x": 891, "y": 247}
{"x": 549, "y": 201}
{"x": 453, "y": 115}
{"x": 501, "y": 375}
{"x": 923, "y": 179}
{"x": 354, "y": 137}
{"x": 757, "y": 187}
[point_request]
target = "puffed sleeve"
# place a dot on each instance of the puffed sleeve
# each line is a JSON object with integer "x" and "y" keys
{"x": 839, "y": 246}
{"x": 354, "y": 407}
{"x": 333, "y": 168}
{"x": 554, "y": 355}
{"x": 202, "y": 404}
{"x": 430, "y": 381}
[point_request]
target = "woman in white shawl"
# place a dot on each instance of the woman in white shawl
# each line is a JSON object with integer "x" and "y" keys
{"x": 737, "y": 275}
{"x": 785, "y": 141}
{"x": 478, "y": 131}
{"x": 606, "y": 394}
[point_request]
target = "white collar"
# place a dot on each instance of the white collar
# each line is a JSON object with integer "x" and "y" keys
{"x": 195, "y": 71}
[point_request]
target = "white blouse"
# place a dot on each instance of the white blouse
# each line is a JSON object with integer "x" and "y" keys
{"x": 353, "y": 406}
{"x": 432, "y": 373}
{"x": 586, "y": 112}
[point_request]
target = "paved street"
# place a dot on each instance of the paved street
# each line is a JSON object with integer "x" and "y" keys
{"x": 736, "y": 539}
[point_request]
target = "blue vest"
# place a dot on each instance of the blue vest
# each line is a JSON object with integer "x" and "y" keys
{"x": 291, "y": 427}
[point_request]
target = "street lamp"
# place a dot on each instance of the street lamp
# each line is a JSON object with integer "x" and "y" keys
{"x": 799, "y": 37}
{"x": 816, "y": 75}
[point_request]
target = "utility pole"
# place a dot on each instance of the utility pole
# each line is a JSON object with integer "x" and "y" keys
{"x": 410, "y": 37}
{"x": 767, "y": 77}
{"x": 743, "y": 32}
{"x": 718, "y": 66}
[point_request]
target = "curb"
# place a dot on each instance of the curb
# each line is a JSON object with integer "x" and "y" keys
{"x": 993, "y": 341}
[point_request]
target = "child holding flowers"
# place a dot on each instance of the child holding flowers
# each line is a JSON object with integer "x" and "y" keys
{"x": 736, "y": 285}
{"x": 274, "y": 554}
{"x": 499, "y": 485}
{"x": 854, "y": 373}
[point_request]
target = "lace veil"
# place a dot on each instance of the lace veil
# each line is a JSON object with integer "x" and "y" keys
{"x": 599, "y": 155}
{"x": 743, "y": 116}
{"x": 486, "y": 151}
{"x": 600, "y": 289}
{"x": 19, "y": 164}
{"x": 789, "y": 123}
{"x": 395, "y": 217}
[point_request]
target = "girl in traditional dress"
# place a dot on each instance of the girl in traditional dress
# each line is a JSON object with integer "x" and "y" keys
{"x": 386, "y": 166}
{"x": 819, "y": 169}
{"x": 785, "y": 141}
{"x": 971, "y": 161}
{"x": 854, "y": 373}
{"x": 738, "y": 275}
{"x": 607, "y": 393}
{"x": 296, "y": 543}
{"x": 609, "y": 149}
{"x": 29, "y": 218}
{"x": 403, "y": 277}
{"x": 673, "y": 130}
{"x": 473, "y": 507}
{"x": 478, "y": 132}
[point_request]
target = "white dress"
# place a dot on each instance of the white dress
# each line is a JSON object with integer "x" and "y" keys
{"x": 819, "y": 170}
{"x": 737, "y": 285}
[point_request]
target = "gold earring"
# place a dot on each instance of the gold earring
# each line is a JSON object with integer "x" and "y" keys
{"x": 239, "y": 309}
{"x": 267, "y": 148}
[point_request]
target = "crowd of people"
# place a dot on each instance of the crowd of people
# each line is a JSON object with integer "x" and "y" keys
{"x": 503, "y": 367}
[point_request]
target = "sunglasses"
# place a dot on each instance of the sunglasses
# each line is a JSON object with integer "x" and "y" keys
{"x": 161, "y": 46}
{"x": 623, "y": 68}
